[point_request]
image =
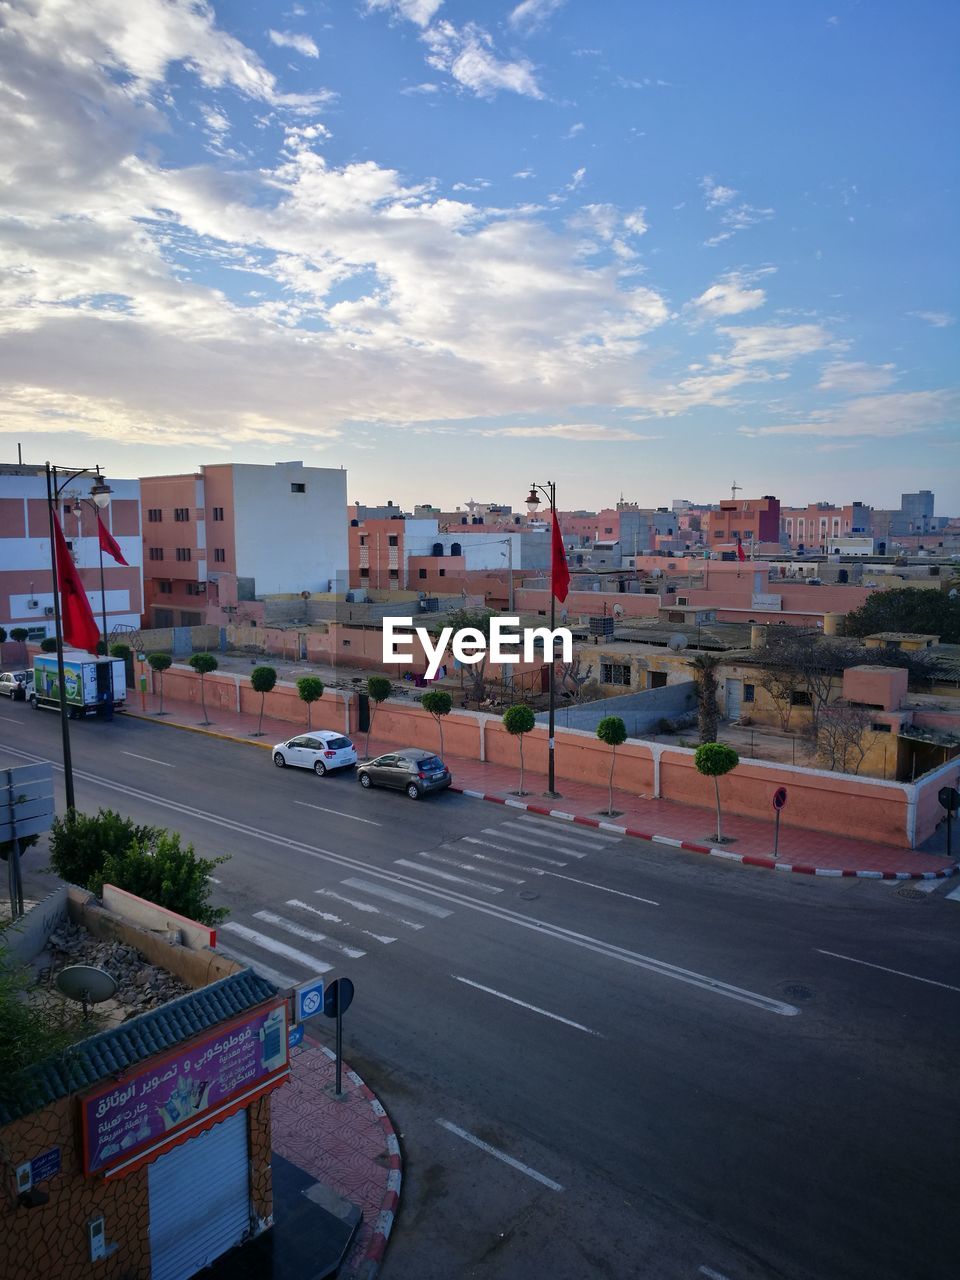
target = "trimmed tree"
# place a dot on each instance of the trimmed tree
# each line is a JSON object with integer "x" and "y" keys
{"x": 203, "y": 664}
{"x": 160, "y": 662}
{"x": 3, "y": 634}
{"x": 439, "y": 704}
{"x": 18, "y": 633}
{"x": 613, "y": 732}
{"x": 518, "y": 720}
{"x": 48, "y": 645}
{"x": 378, "y": 690}
{"x": 713, "y": 760}
{"x": 310, "y": 690}
{"x": 263, "y": 680}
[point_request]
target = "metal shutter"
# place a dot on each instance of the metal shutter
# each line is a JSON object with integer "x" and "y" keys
{"x": 199, "y": 1200}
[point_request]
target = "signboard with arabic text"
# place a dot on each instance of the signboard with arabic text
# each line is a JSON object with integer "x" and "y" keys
{"x": 172, "y": 1092}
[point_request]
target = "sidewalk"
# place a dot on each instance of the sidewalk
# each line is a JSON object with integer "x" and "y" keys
{"x": 662, "y": 821}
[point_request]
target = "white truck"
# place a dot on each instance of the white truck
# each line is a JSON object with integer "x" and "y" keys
{"x": 93, "y": 685}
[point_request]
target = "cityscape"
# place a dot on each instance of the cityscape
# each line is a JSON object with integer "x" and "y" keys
{"x": 433, "y": 847}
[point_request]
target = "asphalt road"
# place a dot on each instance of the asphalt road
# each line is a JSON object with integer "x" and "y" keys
{"x": 604, "y": 1058}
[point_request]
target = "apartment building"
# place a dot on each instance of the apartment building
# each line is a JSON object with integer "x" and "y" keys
{"x": 745, "y": 519}
{"x": 232, "y": 532}
{"x": 26, "y": 578}
{"x": 819, "y": 525}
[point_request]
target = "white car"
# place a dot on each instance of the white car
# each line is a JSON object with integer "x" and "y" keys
{"x": 320, "y": 751}
{"x": 14, "y": 684}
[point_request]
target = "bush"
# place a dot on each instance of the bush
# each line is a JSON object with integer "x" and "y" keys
{"x": 3, "y": 634}
{"x": 159, "y": 869}
{"x": 80, "y": 844}
{"x": 18, "y": 633}
{"x": 49, "y": 645}
{"x": 121, "y": 651}
{"x": 310, "y": 690}
{"x": 29, "y": 1033}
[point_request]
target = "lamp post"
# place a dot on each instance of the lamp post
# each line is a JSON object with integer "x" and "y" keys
{"x": 100, "y": 493}
{"x": 549, "y": 491}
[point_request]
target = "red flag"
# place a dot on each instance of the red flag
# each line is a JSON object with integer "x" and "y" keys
{"x": 77, "y": 623}
{"x": 741, "y": 555}
{"x": 559, "y": 573}
{"x": 109, "y": 543}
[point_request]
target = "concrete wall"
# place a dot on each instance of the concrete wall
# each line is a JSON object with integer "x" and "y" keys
{"x": 28, "y": 936}
{"x": 640, "y": 712}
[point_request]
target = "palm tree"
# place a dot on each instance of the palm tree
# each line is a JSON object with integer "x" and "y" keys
{"x": 705, "y": 667}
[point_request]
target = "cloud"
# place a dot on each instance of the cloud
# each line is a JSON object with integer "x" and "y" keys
{"x": 728, "y": 297}
{"x": 856, "y": 377}
{"x": 574, "y": 130}
{"x": 569, "y": 431}
{"x": 419, "y": 12}
{"x": 215, "y": 120}
{"x": 294, "y": 40}
{"x": 878, "y": 417}
{"x": 733, "y": 218}
{"x": 774, "y": 343}
{"x": 531, "y": 14}
{"x": 715, "y": 194}
{"x": 467, "y": 55}
{"x": 421, "y": 88}
{"x": 939, "y": 319}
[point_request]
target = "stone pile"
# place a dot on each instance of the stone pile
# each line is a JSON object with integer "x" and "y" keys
{"x": 140, "y": 985}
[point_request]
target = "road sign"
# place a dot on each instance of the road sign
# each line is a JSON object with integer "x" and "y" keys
{"x": 949, "y": 797}
{"x": 780, "y": 798}
{"x": 295, "y": 1035}
{"x": 338, "y": 997}
{"x": 26, "y": 801}
{"x": 308, "y": 999}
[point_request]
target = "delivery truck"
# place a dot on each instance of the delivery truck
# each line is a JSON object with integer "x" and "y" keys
{"x": 93, "y": 685}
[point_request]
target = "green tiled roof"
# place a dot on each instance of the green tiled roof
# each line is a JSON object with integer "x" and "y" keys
{"x": 85, "y": 1064}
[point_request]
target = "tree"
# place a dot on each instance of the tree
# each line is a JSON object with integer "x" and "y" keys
{"x": 438, "y": 703}
{"x": 18, "y": 633}
{"x": 518, "y": 720}
{"x": 907, "y": 609}
{"x": 310, "y": 690}
{"x": 79, "y": 843}
{"x": 48, "y": 645}
{"x": 842, "y": 736}
{"x": 613, "y": 732}
{"x": 263, "y": 680}
{"x": 121, "y": 650}
{"x": 158, "y": 869}
{"x": 475, "y": 674}
{"x": 203, "y": 664}
{"x": 708, "y": 711}
{"x": 378, "y": 690}
{"x": 160, "y": 662}
{"x": 713, "y": 760}
{"x": 571, "y": 676}
{"x": 781, "y": 686}
{"x": 3, "y": 634}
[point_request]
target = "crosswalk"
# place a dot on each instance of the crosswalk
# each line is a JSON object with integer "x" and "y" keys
{"x": 301, "y": 937}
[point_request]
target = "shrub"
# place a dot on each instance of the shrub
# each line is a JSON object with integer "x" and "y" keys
{"x": 159, "y": 869}
{"x": 263, "y": 680}
{"x": 18, "y": 633}
{"x": 80, "y": 844}
{"x": 310, "y": 689}
{"x": 49, "y": 645}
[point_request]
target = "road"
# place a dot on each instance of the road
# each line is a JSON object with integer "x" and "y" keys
{"x": 604, "y": 1058}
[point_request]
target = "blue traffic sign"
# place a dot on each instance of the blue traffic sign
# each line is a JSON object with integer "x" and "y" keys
{"x": 295, "y": 1035}
{"x": 308, "y": 999}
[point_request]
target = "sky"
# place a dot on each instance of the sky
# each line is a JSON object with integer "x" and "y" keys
{"x": 635, "y": 248}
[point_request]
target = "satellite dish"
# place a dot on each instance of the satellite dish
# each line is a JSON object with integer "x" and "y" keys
{"x": 677, "y": 642}
{"x": 618, "y": 610}
{"x": 304, "y": 595}
{"x": 86, "y": 983}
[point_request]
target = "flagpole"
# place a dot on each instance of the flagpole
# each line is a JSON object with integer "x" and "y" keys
{"x": 52, "y": 494}
{"x": 103, "y": 608}
{"x": 552, "y": 670}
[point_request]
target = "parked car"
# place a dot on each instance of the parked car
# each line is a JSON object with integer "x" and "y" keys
{"x": 320, "y": 751}
{"x": 14, "y": 684}
{"x": 411, "y": 769}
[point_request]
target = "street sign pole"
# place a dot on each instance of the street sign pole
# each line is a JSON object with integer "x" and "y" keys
{"x": 776, "y": 835}
{"x": 337, "y": 998}
{"x": 339, "y": 1041}
{"x": 779, "y": 800}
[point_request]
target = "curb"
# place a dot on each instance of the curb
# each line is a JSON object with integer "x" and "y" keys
{"x": 747, "y": 859}
{"x": 368, "y": 1266}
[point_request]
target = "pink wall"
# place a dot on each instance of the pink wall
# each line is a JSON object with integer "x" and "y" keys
{"x": 884, "y": 687}
{"x": 634, "y": 605}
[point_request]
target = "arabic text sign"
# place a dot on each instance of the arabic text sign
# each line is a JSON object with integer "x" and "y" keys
{"x": 175, "y": 1090}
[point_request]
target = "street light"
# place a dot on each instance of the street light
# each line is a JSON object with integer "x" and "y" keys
{"x": 549, "y": 491}
{"x": 100, "y": 493}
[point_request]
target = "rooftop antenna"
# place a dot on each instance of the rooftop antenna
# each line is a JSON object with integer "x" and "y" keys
{"x": 733, "y": 490}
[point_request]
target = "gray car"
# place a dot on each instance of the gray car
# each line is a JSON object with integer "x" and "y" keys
{"x": 411, "y": 769}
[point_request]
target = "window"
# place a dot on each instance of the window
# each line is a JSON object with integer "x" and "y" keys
{"x": 219, "y": 555}
{"x": 614, "y": 673}
{"x": 155, "y": 515}
{"x": 194, "y": 588}
{"x": 218, "y": 513}
{"x": 800, "y": 698}
{"x": 443, "y": 573}
{"x": 298, "y": 488}
{"x": 156, "y": 553}
{"x": 183, "y": 553}
{"x": 608, "y": 531}
{"x": 165, "y": 588}
{"x": 395, "y": 573}
{"x": 181, "y": 514}
{"x": 393, "y": 540}
{"x": 881, "y": 728}
{"x": 658, "y": 679}
{"x": 734, "y": 533}
{"x": 748, "y": 692}
{"x": 422, "y": 573}
{"x": 364, "y": 573}
{"x": 363, "y": 539}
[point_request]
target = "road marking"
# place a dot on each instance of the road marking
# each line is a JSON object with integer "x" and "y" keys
{"x": 332, "y": 919}
{"x": 150, "y": 760}
{"x": 603, "y": 888}
{"x": 282, "y": 980}
{"x": 339, "y": 812}
{"x": 899, "y": 972}
{"x": 308, "y": 935}
{"x": 505, "y": 915}
{"x": 213, "y": 879}
{"x": 926, "y": 886}
{"x": 368, "y": 906}
{"x": 500, "y": 1155}
{"x": 401, "y": 899}
{"x": 312, "y": 964}
{"x": 497, "y": 862}
{"x": 578, "y": 1026}
{"x": 711, "y": 1274}
{"x": 11, "y": 719}
{"x": 537, "y": 844}
{"x": 517, "y": 853}
{"x": 469, "y": 866}
{"x": 563, "y": 834}
{"x": 445, "y": 875}
{"x": 955, "y": 895}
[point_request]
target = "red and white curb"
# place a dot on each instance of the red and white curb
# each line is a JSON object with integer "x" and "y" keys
{"x": 748, "y": 859}
{"x": 368, "y": 1266}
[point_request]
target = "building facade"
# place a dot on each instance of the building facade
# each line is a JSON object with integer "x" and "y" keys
{"x": 744, "y": 519}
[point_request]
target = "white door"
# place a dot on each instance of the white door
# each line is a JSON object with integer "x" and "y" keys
{"x": 199, "y": 1200}
{"x": 734, "y": 698}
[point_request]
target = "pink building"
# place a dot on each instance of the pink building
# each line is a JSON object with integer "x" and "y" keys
{"x": 813, "y": 526}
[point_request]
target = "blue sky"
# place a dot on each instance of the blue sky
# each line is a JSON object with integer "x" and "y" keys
{"x": 455, "y": 247}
